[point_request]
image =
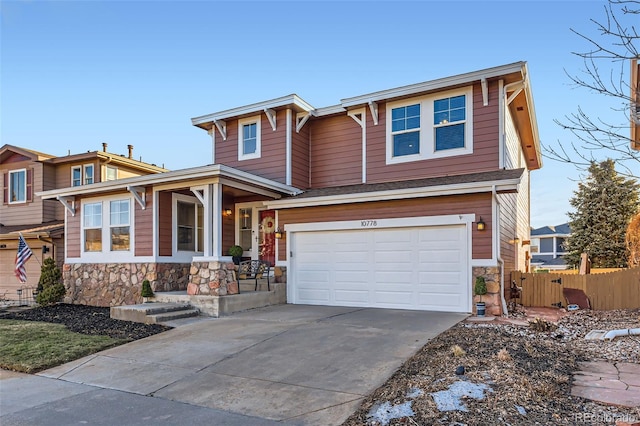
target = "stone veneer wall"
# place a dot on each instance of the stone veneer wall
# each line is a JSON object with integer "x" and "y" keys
{"x": 114, "y": 284}
{"x": 212, "y": 279}
{"x": 492, "y": 300}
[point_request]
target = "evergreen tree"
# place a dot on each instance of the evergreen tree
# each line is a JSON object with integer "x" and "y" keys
{"x": 50, "y": 289}
{"x": 604, "y": 204}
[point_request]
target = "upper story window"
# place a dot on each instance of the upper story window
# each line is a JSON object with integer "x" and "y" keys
{"x": 405, "y": 128}
{"x": 448, "y": 120}
{"x": 429, "y": 127}
{"x": 18, "y": 186}
{"x": 110, "y": 173}
{"x": 88, "y": 174}
{"x": 249, "y": 145}
{"x": 78, "y": 177}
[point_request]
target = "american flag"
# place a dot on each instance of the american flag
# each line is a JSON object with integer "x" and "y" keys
{"x": 24, "y": 253}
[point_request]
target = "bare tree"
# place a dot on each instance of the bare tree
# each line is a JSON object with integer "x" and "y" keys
{"x": 606, "y": 73}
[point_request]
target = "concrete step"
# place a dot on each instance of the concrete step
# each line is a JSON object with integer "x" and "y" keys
{"x": 144, "y": 313}
{"x": 172, "y": 315}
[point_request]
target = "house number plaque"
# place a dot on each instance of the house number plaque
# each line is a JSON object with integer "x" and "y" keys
{"x": 368, "y": 223}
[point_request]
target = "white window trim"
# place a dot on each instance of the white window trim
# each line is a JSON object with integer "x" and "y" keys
{"x": 427, "y": 128}
{"x": 106, "y": 255}
{"x": 79, "y": 169}
{"x": 241, "y": 123}
{"x": 106, "y": 174}
{"x": 84, "y": 173}
{"x": 12, "y": 172}
{"x": 183, "y": 255}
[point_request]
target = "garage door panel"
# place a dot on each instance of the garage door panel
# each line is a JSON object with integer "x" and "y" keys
{"x": 359, "y": 297}
{"x": 313, "y": 295}
{"x": 406, "y": 268}
{"x": 440, "y": 278}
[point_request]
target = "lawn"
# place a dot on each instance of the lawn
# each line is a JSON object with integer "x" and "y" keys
{"x": 29, "y": 346}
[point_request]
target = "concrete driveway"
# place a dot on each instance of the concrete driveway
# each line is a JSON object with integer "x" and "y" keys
{"x": 285, "y": 364}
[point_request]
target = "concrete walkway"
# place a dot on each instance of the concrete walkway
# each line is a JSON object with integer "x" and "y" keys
{"x": 290, "y": 364}
{"x": 617, "y": 384}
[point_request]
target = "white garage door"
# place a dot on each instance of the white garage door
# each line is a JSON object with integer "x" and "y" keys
{"x": 419, "y": 268}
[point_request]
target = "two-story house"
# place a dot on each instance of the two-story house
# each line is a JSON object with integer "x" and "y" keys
{"x": 392, "y": 199}
{"x": 547, "y": 246}
{"x": 25, "y": 172}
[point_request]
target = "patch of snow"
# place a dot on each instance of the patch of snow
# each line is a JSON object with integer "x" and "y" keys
{"x": 451, "y": 399}
{"x": 414, "y": 393}
{"x": 386, "y": 412}
{"x": 521, "y": 410}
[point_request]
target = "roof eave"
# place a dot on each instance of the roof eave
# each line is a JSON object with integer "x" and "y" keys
{"x": 289, "y": 100}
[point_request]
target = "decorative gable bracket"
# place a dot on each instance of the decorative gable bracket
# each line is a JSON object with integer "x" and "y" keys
{"x": 301, "y": 119}
{"x": 222, "y": 128}
{"x": 485, "y": 91}
{"x": 358, "y": 116}
{"x": 271, "y": 116}
{"x": 69, "y": 203}
{"x": 139, "y": 193}
{"x": 373, "y": 107}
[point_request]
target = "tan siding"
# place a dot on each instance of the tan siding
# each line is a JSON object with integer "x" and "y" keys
{"x": 479, "y": 204}
{"x": 27, "y": 213}
{"x": 271, "y": 164}
{"x": 72, "y": 232}
{"x": 165, "y": 224}
{"x": 51, "y": 209}
{"x": 335, "y": 151}
{"x": 485, "y": 147}
{"x": 144, "y": 226}
{"x": 300, "y": 172}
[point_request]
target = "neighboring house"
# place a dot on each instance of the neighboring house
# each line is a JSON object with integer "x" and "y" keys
{"x": 393, "y": 199}
{"x": 23, "y": 173}
{"x": 547, "y": 247}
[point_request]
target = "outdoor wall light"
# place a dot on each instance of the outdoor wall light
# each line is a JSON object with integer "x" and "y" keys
{"x": 481, "y": 226}
{"x": 227, "y": 212}
{"x": 279, "y": 233}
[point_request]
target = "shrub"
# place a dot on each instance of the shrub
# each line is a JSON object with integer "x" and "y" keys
{"x": 481, "y": 287}
{"x": 235, "y": 251}
{"x": 146, "y": 289}
{"x": 50, "y": 289}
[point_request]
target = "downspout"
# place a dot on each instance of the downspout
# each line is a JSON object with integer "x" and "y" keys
{"x": 505, "y": 310}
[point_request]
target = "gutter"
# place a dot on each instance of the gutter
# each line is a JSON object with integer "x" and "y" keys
{"x": 505, "y": 310}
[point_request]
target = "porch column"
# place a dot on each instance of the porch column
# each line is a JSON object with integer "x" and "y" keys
{"x": 216, "y": 220}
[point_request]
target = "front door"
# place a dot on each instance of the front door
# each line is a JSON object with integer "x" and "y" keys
{"x": 256, "y": 232}
{"x": 267, "y": 236}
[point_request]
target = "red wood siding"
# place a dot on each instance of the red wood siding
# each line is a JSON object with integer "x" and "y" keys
{"x": 144, "y": 226}
{"x": 479, "y": 204}
{"x": 336, "y": 151}
{"x": 300, "y": 173}
{"x": 165, "y": 224}
{"x": 73, "y": 229}
{"x": 271, "y": 164}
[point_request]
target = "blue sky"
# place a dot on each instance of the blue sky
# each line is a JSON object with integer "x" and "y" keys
{"x": 75, "y": 74}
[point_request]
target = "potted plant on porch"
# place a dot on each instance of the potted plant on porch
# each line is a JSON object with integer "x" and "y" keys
{"x": 480, "y": 289}
{"x": 236, "y": 253}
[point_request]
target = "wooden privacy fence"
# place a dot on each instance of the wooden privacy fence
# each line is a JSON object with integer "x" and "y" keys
{"x": 612, "y": 290}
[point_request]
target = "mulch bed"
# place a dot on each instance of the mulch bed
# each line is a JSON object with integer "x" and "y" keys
{"x": 524, "y": 373}
{"x": 92, "y": 320}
